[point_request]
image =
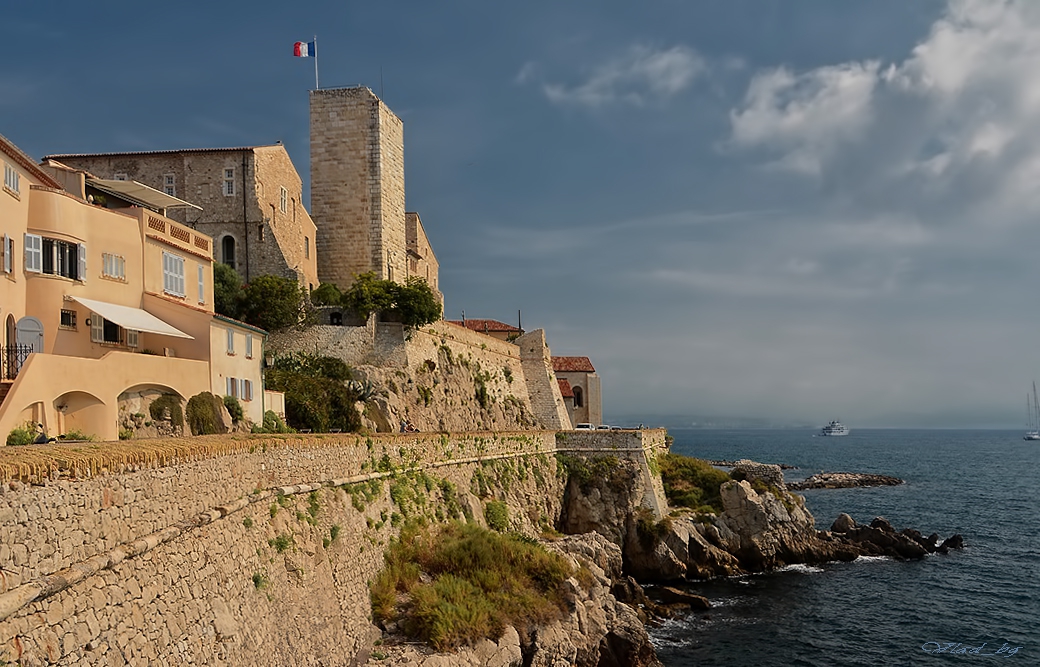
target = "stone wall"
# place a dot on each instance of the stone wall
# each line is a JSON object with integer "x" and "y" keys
{"x": 430, "y": 376}
{"x": 238, "y": 550}
{"x": 546, "y": 400}
{"x": 357, "y": 185}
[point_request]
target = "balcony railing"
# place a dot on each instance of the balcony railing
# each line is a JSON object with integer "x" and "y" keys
{"x": 11, "y": 359}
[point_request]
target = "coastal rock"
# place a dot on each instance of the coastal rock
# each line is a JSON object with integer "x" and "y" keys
{"x": 672, "y": 596}
{"x": 881, "y": 539}
{"x": 843, "y": 480}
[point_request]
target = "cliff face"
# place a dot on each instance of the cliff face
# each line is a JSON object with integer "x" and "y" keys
{"x": 762, "y": 527}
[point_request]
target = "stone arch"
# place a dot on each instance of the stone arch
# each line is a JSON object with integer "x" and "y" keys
{"x": 134, "y": 408}
{"x": 81, "y": 411}
{"x": 579, "y": 397}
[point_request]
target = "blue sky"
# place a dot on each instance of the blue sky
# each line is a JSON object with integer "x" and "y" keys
{"x": 798, "y": 211}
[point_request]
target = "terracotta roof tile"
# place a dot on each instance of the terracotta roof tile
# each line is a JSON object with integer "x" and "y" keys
{"x": 565, "y": 388}
{"x": 486, "y": 326}
{"x": 573, "y": 365}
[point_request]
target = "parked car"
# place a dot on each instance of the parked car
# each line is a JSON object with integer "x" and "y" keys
{"x": 584, "y": 426}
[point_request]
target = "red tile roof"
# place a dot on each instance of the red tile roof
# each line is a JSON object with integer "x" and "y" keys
{"x": 565, "y": 388}
{"x": 486, "y": 326}
{"x": 572, "y": 365}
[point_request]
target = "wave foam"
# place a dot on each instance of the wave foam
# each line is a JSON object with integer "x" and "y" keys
{"x": 804, "y": 569}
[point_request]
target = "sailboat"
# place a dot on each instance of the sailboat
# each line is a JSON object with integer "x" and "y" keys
{"x": 1033, "y": 412}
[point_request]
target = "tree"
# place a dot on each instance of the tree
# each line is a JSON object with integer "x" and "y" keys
{"x": 227, "y": 290}
{"x": 317, "y": 395}
{"x": 327, "y": 294}
{"x": 368, "y": 295}
{"x": 414, "y": 303}
{"x": 272, "y": 302}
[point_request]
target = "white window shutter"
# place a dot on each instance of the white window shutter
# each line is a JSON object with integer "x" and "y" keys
{"x": 229, "y": 388}
{"x": 82, "y": 263}
{"x": 7, "y": 254}
{"x": 97, "y": 328}
{"x": 131, "y": 338}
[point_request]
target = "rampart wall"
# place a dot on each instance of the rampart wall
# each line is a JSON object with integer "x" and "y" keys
{"x": 241, "y": 550}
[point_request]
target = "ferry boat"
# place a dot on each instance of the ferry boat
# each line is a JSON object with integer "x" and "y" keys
{"x": 835, "y": 428}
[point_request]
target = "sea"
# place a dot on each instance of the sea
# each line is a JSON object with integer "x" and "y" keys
{"x": 980, "y": 605}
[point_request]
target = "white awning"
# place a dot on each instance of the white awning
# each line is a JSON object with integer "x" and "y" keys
{"x": 139, "y": 193}
{"x": 131, "y": 318}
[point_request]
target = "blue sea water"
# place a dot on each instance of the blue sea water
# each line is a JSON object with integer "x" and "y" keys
{"x": 981, "y": 484}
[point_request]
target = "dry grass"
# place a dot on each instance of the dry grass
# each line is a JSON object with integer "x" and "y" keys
{"x": 459, "y": 583}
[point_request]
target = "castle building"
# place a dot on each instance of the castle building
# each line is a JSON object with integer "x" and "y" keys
{"x": 106, "y": 301}
{"x": 577, "y": 376}
{"x": 357, "y": 192}
{"x": 250, "y": 198}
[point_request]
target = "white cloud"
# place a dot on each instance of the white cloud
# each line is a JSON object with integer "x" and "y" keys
{"x": 806, "y": 116}
{"x": 643, "y": 75}
{"x": 957, "y": 120}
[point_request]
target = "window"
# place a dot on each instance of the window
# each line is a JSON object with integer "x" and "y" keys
{"x": 227, "y": 247}
{"x": 8, "y": 254}
{"x": 249, "y": 346}
{"x": 170, "y": 184}
{"x": 202, "y": 284}
{"x": 12, "y": 179}
{"x": 173, "y": 274}
{"x": 121, "y": 177}
{"x": 229, "y": 182}
{"x": 230, "y": 341}
{"x": 54, "y": 257}
{"x": 579, "y": 400}
{"x": 104, "y": 331}
{"x": 307, "y": 247}
{"x": 33, "y": 253}
{"x": 232, "y": 387}
{"x": 113, "y": 266}
{"x": 283, "y": 200}
{"x": 68, "y": 319}
{"x": 132, "y": 338}
{"x": 245, "y": 390}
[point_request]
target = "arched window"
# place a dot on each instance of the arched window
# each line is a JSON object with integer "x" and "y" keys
{"x": 227, "y": 249}
{"x": 579, "y": 401}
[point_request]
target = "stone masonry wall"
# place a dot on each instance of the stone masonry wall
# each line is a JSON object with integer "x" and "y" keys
{"x": 357, "y": 185}
{"x": 247, "y": 550}
{"x": 546, "y": 400}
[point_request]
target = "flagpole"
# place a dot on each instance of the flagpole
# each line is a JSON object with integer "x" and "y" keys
{"x": 316, "y": 62}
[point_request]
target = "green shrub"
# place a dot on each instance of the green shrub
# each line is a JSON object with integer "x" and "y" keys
{"x": 496, "y": 513}
{"x": 234, "y": 408}
{"x": 204, "y": 414}
{"x": 167, "y": 408}
{"x": 126, "y": 433}
{"x": 327, "y": 294}
{"x": 281, "y": 543}
{"x": 461, "y": 583}
{"x": 317, "y": 396}
{"x": 22, "y": 435}
{"x": 690, "y": 482}
{"x": 76, "y": 434}
{"x": 585, "y": 469}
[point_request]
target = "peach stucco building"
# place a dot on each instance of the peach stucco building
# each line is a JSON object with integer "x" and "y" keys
{"x": 104, "y": 298}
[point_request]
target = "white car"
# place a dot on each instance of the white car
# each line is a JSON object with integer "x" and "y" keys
{"x": 584, "y": 426}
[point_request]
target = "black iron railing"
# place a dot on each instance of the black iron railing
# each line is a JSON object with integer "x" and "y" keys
{"x": 11, "y": 359}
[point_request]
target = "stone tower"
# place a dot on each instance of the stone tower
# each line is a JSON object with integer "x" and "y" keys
{"x": 357, "y": 186}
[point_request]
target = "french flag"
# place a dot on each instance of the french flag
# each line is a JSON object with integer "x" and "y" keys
{"x": 304, "y": 50}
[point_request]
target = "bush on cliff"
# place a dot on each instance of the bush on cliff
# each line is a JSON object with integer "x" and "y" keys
{"x": 462, "y": 583}
{"x": 690, "y": 482}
